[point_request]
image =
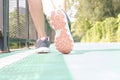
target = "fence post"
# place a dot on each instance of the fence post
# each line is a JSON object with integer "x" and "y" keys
{"x": 27, "y": 23}
{"x": 5, "y": 25}
{"x": 1, "y": 25}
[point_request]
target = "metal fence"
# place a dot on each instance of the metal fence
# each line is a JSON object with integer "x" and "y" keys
{"x": 16, "y": 26}
{"x": 21, "y": 27}
{"x": 4, "y": 23}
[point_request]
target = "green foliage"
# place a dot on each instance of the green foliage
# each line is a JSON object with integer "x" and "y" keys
{"x": 19, "y": 44}
{"x": 13, "y": 45}
{"x": 97, "y": 13}
{"x": 95, "y": 10}
{"x": 118, "y": 31}
{"x": 70, "y": 3}
{"x": 116, "y": 7}
{"x": 14, "y": 29}
{"x": 80, "y": 27}
{"x": 104, "y": 31}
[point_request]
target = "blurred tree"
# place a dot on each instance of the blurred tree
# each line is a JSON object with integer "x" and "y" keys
{"x": 118, "y": 32}
{"x": 14, "y": 29}
{"x": 92, "y": 11}
{"x": 96, "y": 10}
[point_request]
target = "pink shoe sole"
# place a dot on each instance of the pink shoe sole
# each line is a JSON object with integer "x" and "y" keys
{"x": 63, "y": 38}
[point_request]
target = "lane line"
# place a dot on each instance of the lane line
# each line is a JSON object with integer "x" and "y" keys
{"x": 14, "y": 58}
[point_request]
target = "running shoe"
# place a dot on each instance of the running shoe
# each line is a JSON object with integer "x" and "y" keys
{"x": 42, "y": 46}
{"x": 63, "y": 38}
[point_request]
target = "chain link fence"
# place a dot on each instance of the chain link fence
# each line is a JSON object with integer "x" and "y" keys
{"x": 16, "y": 26}
{"x": 21, "y": 27}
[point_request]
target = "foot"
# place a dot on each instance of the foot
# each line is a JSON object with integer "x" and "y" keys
{"x": 63, "y": 38}
{"x": 42, "y": 46}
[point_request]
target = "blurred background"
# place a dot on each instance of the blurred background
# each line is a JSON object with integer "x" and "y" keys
{"x": 95, "y": 20}
{"x": 91, "y": 21}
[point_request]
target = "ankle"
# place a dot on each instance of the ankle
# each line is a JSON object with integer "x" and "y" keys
{"x": 43, "y": 38}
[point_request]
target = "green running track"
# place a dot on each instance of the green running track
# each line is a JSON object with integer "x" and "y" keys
{"x": 87, "y": 61}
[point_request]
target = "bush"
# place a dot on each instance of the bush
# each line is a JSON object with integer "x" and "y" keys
{"x": 104, "y": 31}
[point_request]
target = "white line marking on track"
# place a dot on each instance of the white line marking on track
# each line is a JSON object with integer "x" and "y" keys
{"x": 14, "y": 58}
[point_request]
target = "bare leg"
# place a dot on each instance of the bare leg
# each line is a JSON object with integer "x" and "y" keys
{"x": 63, "y": 5}
{"x": 36, "y": 11}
